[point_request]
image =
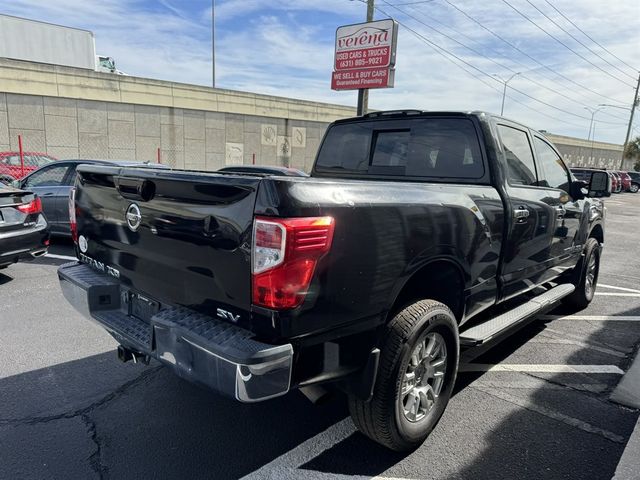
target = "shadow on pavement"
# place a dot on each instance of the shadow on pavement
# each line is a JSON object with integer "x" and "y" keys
{"x": 4, "y": 278}
{"x": 144, "y": 422}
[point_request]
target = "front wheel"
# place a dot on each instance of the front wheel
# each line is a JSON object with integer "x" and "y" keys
{"x": 416, "y": 376}
{"x": 585, "y": 276}
{"x": 634, "y": 188}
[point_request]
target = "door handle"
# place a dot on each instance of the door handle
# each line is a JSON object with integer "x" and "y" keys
{"x": 521, "y": 214}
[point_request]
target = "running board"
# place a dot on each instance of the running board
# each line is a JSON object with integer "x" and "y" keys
{"x": 492, "y": 328}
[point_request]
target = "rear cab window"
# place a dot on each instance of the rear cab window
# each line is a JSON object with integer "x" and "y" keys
{"x": 421, "y": 148}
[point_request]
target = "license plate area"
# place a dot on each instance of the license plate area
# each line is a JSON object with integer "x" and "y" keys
{"x": 141, "y": 307}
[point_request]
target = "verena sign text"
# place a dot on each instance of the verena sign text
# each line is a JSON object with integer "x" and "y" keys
{"x": 365, "y": 55}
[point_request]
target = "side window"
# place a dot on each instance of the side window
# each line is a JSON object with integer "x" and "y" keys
{"x": 553, "y": 173}
{"x": 520, "y": 166}
{"x": 47, "y": 177}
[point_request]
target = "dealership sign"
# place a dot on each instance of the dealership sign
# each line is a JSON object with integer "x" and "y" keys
{"x": 365, "y": 55}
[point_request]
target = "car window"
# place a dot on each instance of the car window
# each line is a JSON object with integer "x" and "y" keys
{"x": 428, "y": 147}
{"x": 13, "y": 160}
{"x": 521, "y": 169}
{"x": 47, "y": 177}
{"x": 553, "y": 173}
{"x": 39, "y": 160}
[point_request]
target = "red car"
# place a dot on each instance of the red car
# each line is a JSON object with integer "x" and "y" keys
{"x": 626, "y": 181}
{"x": 11, "y": 168}
{"x": 616, "y": 186}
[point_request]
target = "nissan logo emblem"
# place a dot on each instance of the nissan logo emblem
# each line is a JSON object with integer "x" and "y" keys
{"x": 133, "y": 217}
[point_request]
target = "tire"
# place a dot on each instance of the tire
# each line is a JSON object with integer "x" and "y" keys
{"x": 634, "y": 188}
{"x": 585, "y": 276}
{"x": 395, "y": 420}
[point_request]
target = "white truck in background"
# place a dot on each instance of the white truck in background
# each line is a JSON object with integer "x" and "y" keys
{"x": 35, "y": 41}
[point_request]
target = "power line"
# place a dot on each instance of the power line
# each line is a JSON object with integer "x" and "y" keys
{"x": 580, "y": 42}
{"x": 564, "y": 44}
{"x": 563, "y": 95}
{"x": 588, "y": 36}
{"x": 518, "y": 49}
{"x": 444, "y": 52}
{"x": 488, "y": 75}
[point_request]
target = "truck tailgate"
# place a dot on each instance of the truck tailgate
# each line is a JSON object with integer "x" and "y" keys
{"x": 174, "y": 236}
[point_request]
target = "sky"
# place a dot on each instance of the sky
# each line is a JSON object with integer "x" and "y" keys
{"x": 450, "y": 52}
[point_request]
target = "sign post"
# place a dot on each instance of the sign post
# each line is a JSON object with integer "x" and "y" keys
{"x": 365, "y": 56}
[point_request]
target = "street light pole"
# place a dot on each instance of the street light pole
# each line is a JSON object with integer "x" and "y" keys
{"x": 363, "y": 93}
{"x": 504, "y": 90}
{"x": 592, "y": 131}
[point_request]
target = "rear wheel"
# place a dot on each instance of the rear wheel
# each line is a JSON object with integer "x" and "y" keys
{"x": 416, "y": 375}
{"x": 634, "y": 188}
{"x": 585, "y": 276}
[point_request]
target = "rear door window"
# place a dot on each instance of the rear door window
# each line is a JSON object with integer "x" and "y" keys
{"x": 426, "y": 147}
{"x": 554, "y": 173}
{"x": 521, "y": 169}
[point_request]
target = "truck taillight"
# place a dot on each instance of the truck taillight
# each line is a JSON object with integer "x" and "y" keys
{"x": 285, "y": 253}
{"x": 72, "y": 215}
{"x": 34, "y": 206}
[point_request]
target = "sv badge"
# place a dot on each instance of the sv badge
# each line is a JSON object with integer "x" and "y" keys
{"x": 227, "y": 315}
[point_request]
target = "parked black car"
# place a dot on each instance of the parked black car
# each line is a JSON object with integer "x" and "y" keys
{"x": 53, "y": 182}
{"x": 24, "y": 233}
{"x": 369, "y": 276}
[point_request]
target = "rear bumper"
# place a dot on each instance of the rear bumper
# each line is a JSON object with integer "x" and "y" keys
{"x": 197, "y": 347}
{"x": 23, "y": 244}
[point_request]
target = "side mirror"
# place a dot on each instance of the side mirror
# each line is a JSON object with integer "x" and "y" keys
{"x": 16, "y": 184}
{"x": 600, "y": 185}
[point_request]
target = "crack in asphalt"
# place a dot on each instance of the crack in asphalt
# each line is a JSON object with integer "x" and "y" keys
{"x": 144, "y": 376}
{"x": 95, "y": 459}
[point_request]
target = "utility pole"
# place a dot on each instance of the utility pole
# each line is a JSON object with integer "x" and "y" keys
{"x": 213, "y": 43}
{"x": 363, "y": 93}
{"x": 633, "y": 109}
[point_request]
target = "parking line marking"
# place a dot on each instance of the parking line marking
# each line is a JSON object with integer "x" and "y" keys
{"x": 540, "y": 368}
{"x": 617, "y": 294}
{"x": 60, "y": 257}
{"x": 285, "y": 465}
{"x": 560, "y": 417}
{"x": 633, "y": 290}
{"x": 593, "y": 318}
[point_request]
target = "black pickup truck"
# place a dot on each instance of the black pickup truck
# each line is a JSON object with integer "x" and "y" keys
{"x": 418, "y": 234}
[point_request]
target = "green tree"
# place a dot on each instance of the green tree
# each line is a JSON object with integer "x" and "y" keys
{"x": 633, "y": 151}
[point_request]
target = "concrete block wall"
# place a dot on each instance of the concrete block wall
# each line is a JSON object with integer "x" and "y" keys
{"x": 75, "y": 113}
{"x": 187, "y": 138}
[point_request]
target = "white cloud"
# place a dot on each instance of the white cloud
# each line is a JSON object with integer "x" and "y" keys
{"x": 285, "y": 47}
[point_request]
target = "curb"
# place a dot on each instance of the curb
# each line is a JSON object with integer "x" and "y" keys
{"x": 628, "y": 393}
{"x": 629, "y": 466}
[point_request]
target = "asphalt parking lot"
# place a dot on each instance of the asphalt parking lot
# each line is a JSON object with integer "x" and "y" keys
{"x": 537, "y": 406}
